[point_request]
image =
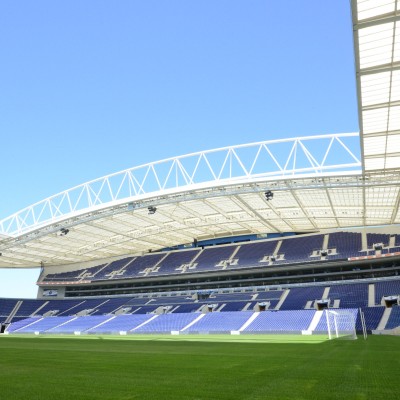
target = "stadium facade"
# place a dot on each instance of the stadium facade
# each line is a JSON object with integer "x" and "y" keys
{"x": 304, "y": 223}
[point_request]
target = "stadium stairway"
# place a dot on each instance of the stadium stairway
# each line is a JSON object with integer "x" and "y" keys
{"x": 101, "y": 323}
{"x": 364, "y": 243}
{"x": 282, "y": 299}
{"x": 66, "y": 312}
{"x": 249, "y": 321}
{"x": 247, "y": 306}
{"x": 38, "y": 309}
{"x": 13, "y": 312}
{"x": 315, "y": 321}
{"x": 144, "y": 323}
{"x": 371, "y": 295}
{"x": 325, "y": 295}
{"x": 384, "y": 319}
{"x": 31, "y": 323}
{"x": 193, "y": 322}
{"x": 64, "y": 323}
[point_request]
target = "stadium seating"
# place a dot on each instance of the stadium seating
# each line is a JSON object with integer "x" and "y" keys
{"x": 178, "y": 262}
{"x": 394, "y": 319}
{"x": 6, "y": 306}
{"x": 80, "y": 324}
{"x": 216, "y": 322}
{"x": 121, "y": 323}
{"x": 167, "y": 323}
{"x": 377, "y": 238}
{"x": 292, "y": 250}
{"x": 281, "y": 321}
{"x": 44, "y": 324}
{"x": 386, "y": 288}
{"x": 299, "y": 249}
{"x": 123, "y": 312}
{"x": 347, "y": 244}
{"x": 19, "y": 324}
{"x": 298, "y": 297}
{"x": 351, "y": 295}
{"x": 252, "y": 254}
{"x": 372, "y": 317}
{"x": 140, "y": 266}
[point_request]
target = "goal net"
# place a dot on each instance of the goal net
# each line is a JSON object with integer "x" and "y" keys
{"x": 341, "y": 323}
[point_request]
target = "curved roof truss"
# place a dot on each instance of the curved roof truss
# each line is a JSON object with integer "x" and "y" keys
{"x": 263, "y": 161}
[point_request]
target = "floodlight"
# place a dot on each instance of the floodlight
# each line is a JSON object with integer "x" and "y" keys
{"x": 152, "y": 210}
{"x": 268, "y": 195}
{"x": 64, "y": 231}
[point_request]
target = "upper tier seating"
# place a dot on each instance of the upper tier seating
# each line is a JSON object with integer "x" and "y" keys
{"x": 178, "y": 262}
{"x": 297, "y": 249}
{"x": 386, "y": 288}
{"x": 212, "y": 258}
{"x": 299, "y": 297}
{"x": 375, "y": 238}
{"x": 115, "y": 269}
{"x": 270, "y": 295}
{"x": 252, "y": 254}
{"x": 347, "y": 244}
{"x": 75, "y": 275}
{"x": 350, "y": 296}
{"x": 140, "y": 266}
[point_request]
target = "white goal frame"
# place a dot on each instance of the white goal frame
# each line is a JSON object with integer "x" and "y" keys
{"x": 341, "y": 324}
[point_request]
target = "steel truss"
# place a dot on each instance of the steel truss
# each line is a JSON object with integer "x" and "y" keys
{"x": 271, "y": 160}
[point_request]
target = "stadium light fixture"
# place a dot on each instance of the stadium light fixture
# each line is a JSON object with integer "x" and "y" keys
{"x": 64, "y": 231}
{"x": 268, "y": 195}
{"x": 152, "y": 210}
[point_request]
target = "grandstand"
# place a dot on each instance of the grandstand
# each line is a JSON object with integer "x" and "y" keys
{"x": 240, "y": 243}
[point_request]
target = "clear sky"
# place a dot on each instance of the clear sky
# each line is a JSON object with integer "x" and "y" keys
{"x": 92, "y": 87}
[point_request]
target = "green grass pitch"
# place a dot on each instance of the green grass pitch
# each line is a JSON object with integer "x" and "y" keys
{"x": 199, "y": 367}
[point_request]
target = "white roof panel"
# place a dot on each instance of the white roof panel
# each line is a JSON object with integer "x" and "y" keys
{"x": 372, "y": 8}
{"x": 377, "y": 46}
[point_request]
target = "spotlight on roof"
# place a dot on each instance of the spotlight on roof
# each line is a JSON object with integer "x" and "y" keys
{"x": 268, "y": 195}
{"x": 152, "y": 210}
{"x": 64, "y": 231}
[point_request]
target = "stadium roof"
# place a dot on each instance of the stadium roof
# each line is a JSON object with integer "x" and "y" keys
{"x": 317, "y": 182}
{"x": 377, "y": 50}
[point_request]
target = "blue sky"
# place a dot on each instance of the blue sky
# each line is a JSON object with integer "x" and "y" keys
{"x": 88, "y": 88}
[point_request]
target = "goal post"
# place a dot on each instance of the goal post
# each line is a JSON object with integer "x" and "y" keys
{"x": 341, "y": 323}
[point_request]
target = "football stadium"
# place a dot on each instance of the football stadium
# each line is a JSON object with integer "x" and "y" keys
{"x": 261, "y": 270}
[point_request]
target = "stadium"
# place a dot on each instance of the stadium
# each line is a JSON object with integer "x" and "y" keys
{"x": 288, "y": 241}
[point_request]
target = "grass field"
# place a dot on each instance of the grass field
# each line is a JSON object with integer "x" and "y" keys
{"x": 199, "y": 367}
